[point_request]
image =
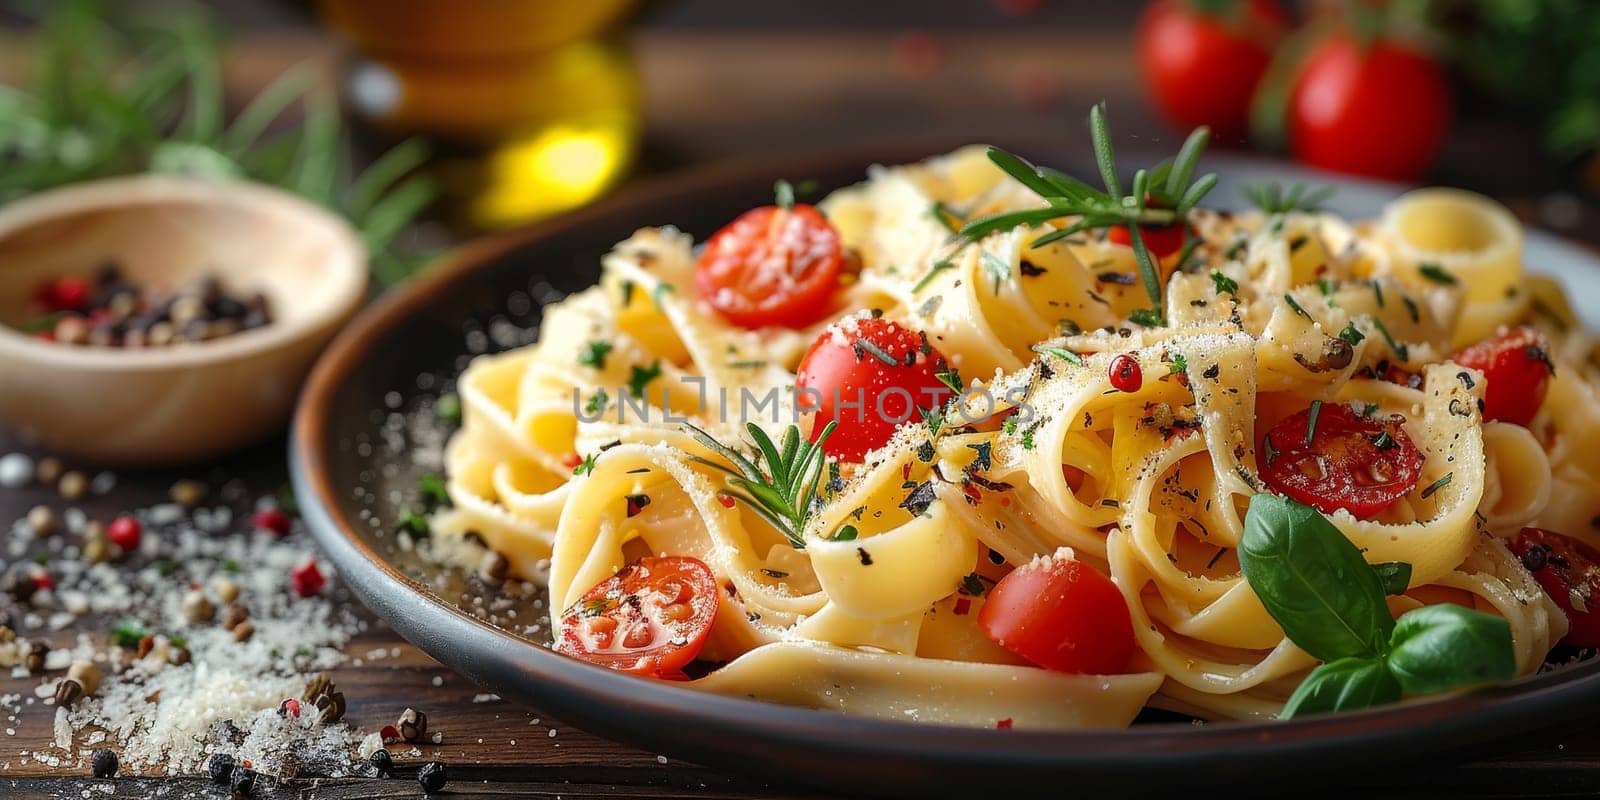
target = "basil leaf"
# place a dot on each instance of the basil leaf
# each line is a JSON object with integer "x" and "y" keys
{"x": 1396, "y": 576}
{"x": 1313, "y": 581}
{"x": 1443, "y": 647}
{"x": 1342, "y": 685}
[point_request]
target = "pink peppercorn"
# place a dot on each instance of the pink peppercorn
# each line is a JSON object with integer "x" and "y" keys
{"x": 307, "y": 580}
{"x": 271, "y": 519}
{"x": 125, "y": 532}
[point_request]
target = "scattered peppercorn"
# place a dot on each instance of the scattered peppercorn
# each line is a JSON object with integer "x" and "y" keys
{"x": 220, "y": 768}
{"x": 1125, "y": 373}
{"x": 73, "y": 485}
{"x": 19, "y": 583}
{"x": 48, "y": 470}
{"x": 95, "y": 548}
{"x": 432, "y": 777}
{"x": 243, "y": 631}
{"x": 187, "y": 493}
{"x": 243, "y": 781}
{"x": 290, "y": 707}
{"x": 86, "y": 673}
{"x": 307, "y": 580}
{"x": 125, "y": 532}
{"x": 104, "y": 762}
{"x": 33, "y": 660}
{"x": 413, "y": 725}
{"x": 271, "y": 519}
{"x": 227, "y": 590}
{"x": 67, "y": 692}
{"x": 197, "y": 607}
{"x": 234, "y": 615}
{"x": 382, "y": 762}
{"x": 42, "y": 520}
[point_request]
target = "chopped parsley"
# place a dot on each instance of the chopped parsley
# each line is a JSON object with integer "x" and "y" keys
{"x": 594, "y": 354}
{"x": 1147, "y": 317}
{"x": 1296, "y": 306}
{"x": 586, "y": 467}
{"x": 1351, "y": 334}
{"x": 597, "y": 402}
{"x": 1179, "y": 364}
{"x": 1225, "y": 284}
{"x": 640, "y": 377}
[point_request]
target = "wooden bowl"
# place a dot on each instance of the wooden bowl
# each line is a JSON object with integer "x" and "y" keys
{"x": 149, "y": 406}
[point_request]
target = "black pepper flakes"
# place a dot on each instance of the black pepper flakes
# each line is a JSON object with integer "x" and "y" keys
{"x": 864, "y": 556}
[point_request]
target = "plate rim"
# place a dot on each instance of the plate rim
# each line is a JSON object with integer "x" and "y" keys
{"x": 653, "y": 714}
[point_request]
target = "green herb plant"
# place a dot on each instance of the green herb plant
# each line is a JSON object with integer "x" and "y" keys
{"x": 1330, "y": 602}
{"x": 1158, "y": 197}
{"x": 116, "y": 93}
{"x": 780, "y": 483}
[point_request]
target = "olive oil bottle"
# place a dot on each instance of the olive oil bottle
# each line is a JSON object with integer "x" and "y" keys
{"x": 532, "y": 106}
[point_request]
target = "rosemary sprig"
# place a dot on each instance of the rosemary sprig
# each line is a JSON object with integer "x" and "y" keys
{"x": 780, "y": 484}
{"x": 1162, "y": 195}
{"x": 1271, "y": 198}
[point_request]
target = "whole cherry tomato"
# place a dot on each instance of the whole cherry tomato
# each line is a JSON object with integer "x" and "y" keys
{"x": 1060, "y": 614}
{"x": 1202, "y": 61}
{"x": 871, "y": 376}
{"x": 1379, "y": 109}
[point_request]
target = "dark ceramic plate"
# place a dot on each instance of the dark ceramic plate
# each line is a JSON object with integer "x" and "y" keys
{"x": 351, "y": 477}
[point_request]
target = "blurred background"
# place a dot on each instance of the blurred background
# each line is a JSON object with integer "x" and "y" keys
{"x": 494, "y": 113}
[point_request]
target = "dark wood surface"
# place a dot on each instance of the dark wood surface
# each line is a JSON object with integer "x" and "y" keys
{"x": 721, "y": 95}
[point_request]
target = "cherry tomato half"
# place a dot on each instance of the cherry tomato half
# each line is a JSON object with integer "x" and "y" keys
{"x": 1360, "y": 464}
{"x": 1517, "y": 370}
{"x": 772, "y": 266}
{"x": 1202, "y": 66}
{"x": 870, "y": 375}
{"x": 1161, "y": 241}
{"x": 1060, "y": 614}
{"x": 1569, "y": 571}
{"x": 651, "y": 618}
{"x": 1381, "y": 110}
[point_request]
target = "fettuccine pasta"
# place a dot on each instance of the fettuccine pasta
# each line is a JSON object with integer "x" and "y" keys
{"x": 873, "y": 604}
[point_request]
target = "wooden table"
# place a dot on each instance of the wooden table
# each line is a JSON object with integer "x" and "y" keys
{"x": 835, "y": 88}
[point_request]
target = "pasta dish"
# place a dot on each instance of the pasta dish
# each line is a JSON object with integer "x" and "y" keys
{"x": 977, "y": 442}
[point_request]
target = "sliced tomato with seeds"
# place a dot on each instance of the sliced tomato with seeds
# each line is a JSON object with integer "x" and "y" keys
{"x": 870, "y": 375}
{"x": 1569, "y": 571}
{"x": 1358, "y": 463}
{"x": 772, "y": 266}
{"x": 651, "y": 618}
{"x": 1516, "y": 370}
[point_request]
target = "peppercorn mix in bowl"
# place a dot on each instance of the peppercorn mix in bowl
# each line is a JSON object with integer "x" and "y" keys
{"x": 197, "y": 247}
